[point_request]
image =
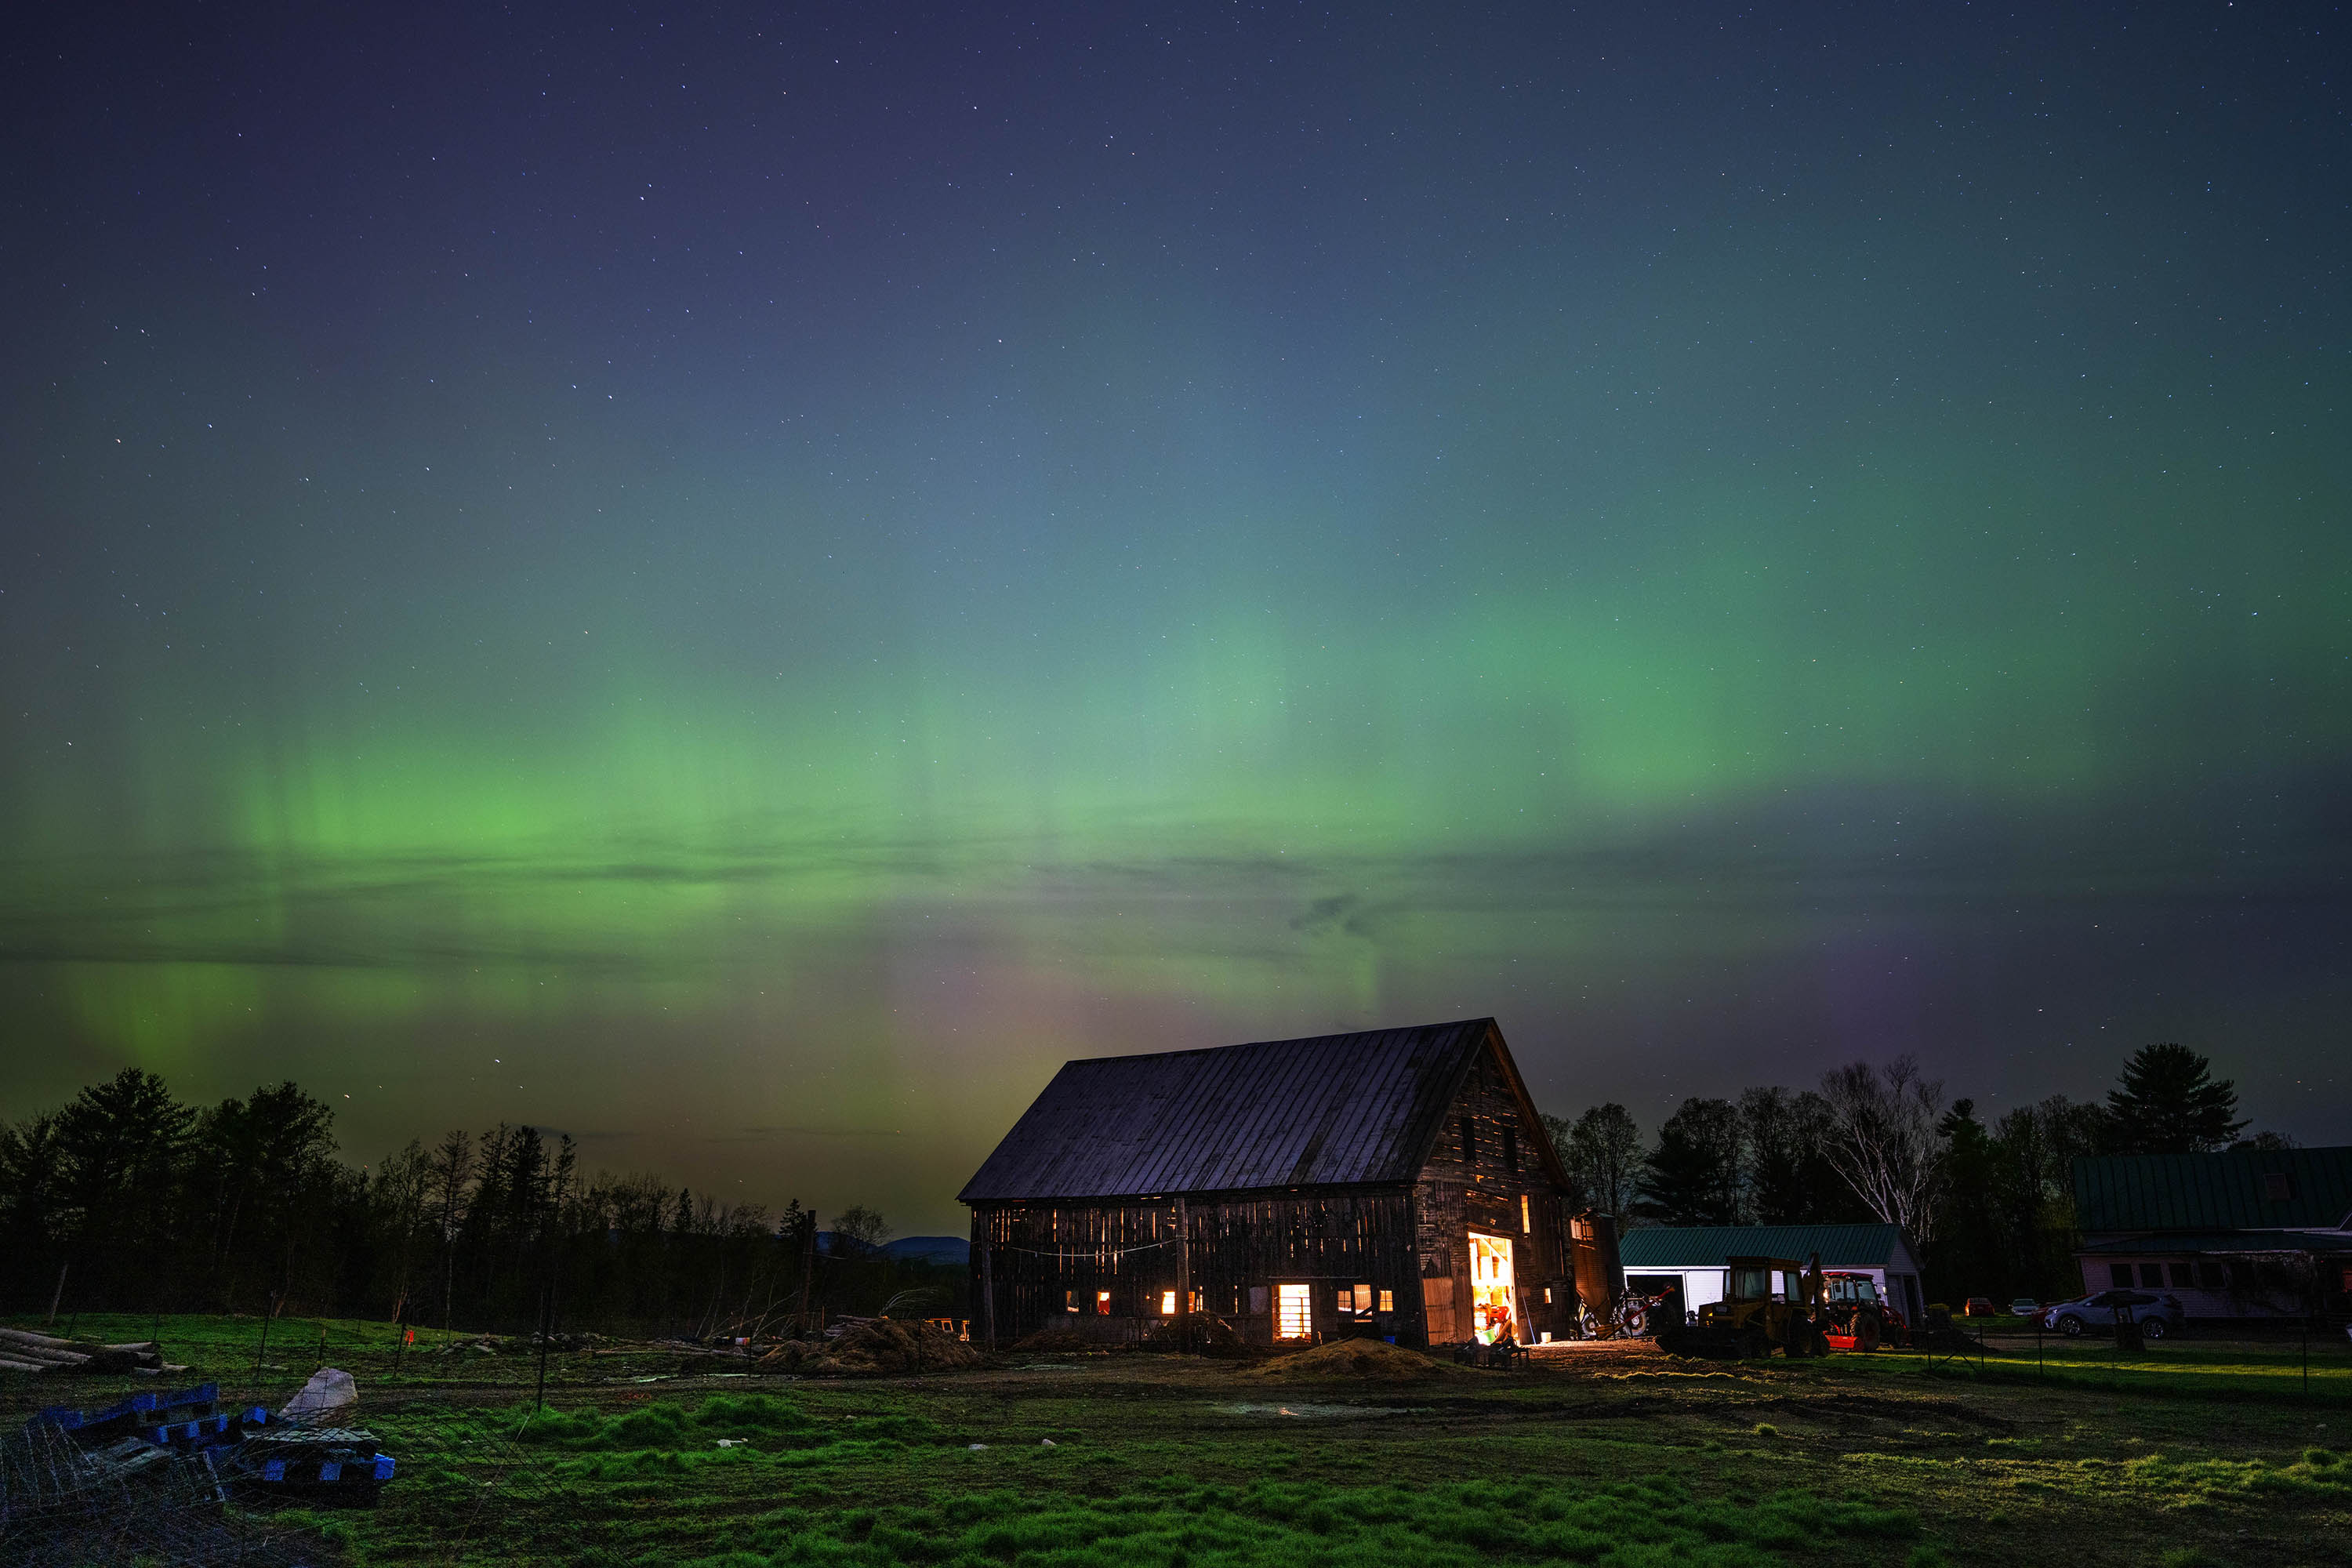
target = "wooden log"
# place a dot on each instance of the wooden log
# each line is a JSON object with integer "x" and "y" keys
{"x": 9, "y": 1364}
{"x": 32, "y": 1340}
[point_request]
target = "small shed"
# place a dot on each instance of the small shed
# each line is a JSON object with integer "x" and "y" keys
{"x": 1689, "y": 1260}
{"x": 1392, "y": 1183}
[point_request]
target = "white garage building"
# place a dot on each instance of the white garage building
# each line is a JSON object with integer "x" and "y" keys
{"x": 1689, "y": 1260}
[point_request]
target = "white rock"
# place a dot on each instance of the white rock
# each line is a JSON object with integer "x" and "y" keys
{"x": 329, "y": 1389}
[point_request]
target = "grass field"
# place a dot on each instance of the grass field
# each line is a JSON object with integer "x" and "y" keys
{"x": 2198, "y": 1453}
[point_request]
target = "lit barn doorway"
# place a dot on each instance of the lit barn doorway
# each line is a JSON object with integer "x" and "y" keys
{"x": 1493, "y": 1310}
{"x": 1294, "y": 1311}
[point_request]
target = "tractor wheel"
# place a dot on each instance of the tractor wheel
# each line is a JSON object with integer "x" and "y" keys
{"x": 1866, "y": 1331}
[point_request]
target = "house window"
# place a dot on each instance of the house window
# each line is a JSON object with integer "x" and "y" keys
{"x": 1102, "y": 1303}
{"x": 2119, "y": 1274}
{"x": 2184, "y": 1276}
{"x": 1294, "y": 1312}
{"x": 1168, "y": 1303}
{"x": 1511, "y": 1150}
{"x": 1388, "y": 1297}
{"x": 2151, "y": 1276}
{"x": 1469, "y": 1142}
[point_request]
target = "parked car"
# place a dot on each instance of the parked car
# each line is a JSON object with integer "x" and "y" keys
{"x": 2025, "y": 1307}
{"x": 2156, "y": 1315}
{"x": 1978, "y": 1307}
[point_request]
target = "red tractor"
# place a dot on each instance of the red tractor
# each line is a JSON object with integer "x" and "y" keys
{"x": 1856, "y": 1317}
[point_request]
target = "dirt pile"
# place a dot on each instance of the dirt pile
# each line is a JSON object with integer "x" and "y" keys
{"x": 1375, "y": 1360}
{"x": 883, "y": 1347}
{"x": 1056, "y": 1342}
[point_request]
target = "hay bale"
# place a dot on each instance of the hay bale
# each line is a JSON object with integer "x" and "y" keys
{"x": 1373, "y": 1361}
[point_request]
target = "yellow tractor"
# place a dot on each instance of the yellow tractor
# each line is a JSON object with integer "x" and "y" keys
{"x": 1769, "y": 1304}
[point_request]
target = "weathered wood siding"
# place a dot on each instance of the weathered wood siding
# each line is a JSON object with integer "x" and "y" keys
{"x": 1043, "y": 1260}
{"x": 1487, "y": 1157}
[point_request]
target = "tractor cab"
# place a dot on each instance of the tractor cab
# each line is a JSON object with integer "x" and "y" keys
{"x": 1754, "y": 1279}
{"x": 1768, "y": 1303}
{"x": 1856, "y": 1316}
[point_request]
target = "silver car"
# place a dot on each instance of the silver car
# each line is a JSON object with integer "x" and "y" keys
{"x": 2156, "y": 1314}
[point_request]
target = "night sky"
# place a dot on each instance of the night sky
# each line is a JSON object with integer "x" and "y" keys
{"x": 742, "y": 582}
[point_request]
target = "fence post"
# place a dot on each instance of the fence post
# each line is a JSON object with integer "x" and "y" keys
{"x": 546, "y": 1332}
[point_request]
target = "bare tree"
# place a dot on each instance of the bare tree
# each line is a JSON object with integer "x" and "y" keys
{"x": 1602, "y": 1151}
{"x": 1883, "y": 1140}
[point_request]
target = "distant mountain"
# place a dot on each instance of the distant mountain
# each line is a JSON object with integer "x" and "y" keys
{"x": 955, "y": 1249}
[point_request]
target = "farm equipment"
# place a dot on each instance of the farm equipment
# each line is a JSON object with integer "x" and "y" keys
{"x": 1855, "y": 1317}
{"x": 1629, "y": 1319}
{"x": 1753, "y": 1319}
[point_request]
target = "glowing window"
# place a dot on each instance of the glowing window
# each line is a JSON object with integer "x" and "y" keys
{"x": 1168, "y": 1303}
{"x": 1102, "y": 1303}
{"x": 1294, "y": 1312}
{"x": 1526, "y": 1223}
{"x": 1388, "y": 1301}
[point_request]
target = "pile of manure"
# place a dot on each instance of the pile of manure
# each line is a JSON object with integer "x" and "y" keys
{"x": 883, "y": 1347}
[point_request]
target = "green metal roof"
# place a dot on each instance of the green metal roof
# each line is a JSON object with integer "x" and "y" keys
{"x": 1707, "y": 1247}
{"x": 2229, "y": 1191}
{"x": 2171, "y": 1242}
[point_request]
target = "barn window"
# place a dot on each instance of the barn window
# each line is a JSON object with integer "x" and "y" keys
{"x": 1388, "y": 1301}
{"x": 1469, "y": 1142}
{"x": 1526, "y": 1223}
{"x": 1294, "y": 1316}
{"x": 1069, "y": 1300}
{"x": 2119, "y": 1274}
{"x": 1168, "y": 1303}
{"x": 1257, "y": 1299}
{"x": 1511, "y": 1150}
{"x": 1102, "y": 1303}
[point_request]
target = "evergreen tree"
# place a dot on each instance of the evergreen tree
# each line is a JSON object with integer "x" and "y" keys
{"x": 1692, "y": 1177}
{"x": 2167, "y": 1102}
{"x": 1970, "y": 1257}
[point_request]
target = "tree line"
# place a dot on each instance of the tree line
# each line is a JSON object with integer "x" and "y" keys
{"x": 127, "y": 1200}
{"x": 1991, "y": 1207}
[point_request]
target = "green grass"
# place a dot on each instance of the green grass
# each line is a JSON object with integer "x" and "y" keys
{"x": 1148, "y": 1461}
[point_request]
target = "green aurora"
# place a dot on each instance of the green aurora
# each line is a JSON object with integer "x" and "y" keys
{"x": 1723, "y": 607}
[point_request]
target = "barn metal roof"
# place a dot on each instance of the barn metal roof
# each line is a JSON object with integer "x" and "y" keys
{"x": 1708, "y": 1245}
{"x": 1331, "y": 1110}
{"x": 2238, "y": 1189}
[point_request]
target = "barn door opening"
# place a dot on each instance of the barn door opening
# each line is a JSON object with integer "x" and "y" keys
{"x": 1294, "y": 1312}
{"x": 1494, "y": 1308}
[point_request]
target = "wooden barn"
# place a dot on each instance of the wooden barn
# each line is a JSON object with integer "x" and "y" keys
{"x": 1395, "y": 1183}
